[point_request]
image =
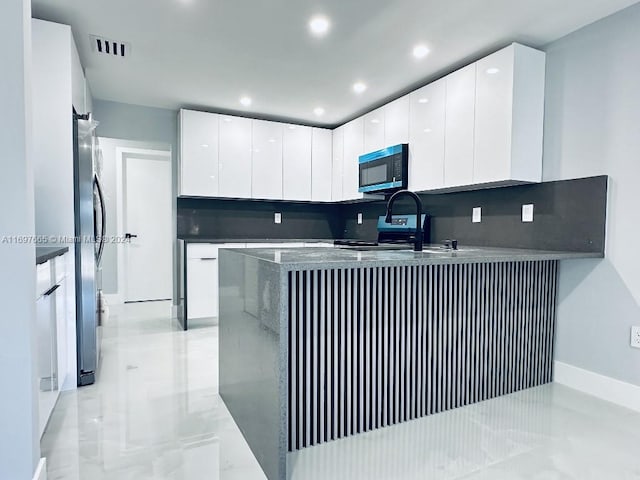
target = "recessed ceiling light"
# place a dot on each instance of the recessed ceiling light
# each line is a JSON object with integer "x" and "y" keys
{"x": 492, "y": 70}
{"x": 319, "y": 111}
{"x": 359, "y": 87}
{"x": 204, "y": 145}
{"x": 227, "y": 119}
{"x": 245, "y": 101}
{"x": 427, "y": 130}
{"x": 292, "y": 127}
{"x": 423, "y": 100}
{"x": 375, "y": 120}
{"x": 420, "y": 51}
{"x": 272, "y": 140}
{"x": 319, "y": 25}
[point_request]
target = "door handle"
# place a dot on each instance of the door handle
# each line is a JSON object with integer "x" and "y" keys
{"x": 129, "y": 236}
{"x": 51, "y": 290}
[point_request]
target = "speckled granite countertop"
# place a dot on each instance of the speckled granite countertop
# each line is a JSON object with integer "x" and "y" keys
{"x": 315, "y": 258}
{"x": 257, "y": 240}
{"x": 44, "y": 254}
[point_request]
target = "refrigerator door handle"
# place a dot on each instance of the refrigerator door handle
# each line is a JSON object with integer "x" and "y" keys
{"x": 103, "y": 226}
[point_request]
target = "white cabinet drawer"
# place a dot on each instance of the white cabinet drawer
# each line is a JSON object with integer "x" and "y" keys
{"x": 60, "y": 267}
{"x": 209, "y": 250}
{"x": 202, "y": 250}
{"x": 44, "y": 278}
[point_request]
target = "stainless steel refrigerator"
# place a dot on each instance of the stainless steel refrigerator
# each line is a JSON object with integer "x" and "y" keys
{"x": 90, "y": 225}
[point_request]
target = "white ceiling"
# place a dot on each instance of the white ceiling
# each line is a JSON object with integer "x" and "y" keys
{"x": 208, "y": 53}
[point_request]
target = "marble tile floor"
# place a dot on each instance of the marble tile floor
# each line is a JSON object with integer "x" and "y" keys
{"x": 155, "y": 414}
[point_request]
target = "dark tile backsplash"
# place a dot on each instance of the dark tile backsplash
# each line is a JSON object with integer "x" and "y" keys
{"x": 568, "y": 215}
{"x": 251, "y": 219}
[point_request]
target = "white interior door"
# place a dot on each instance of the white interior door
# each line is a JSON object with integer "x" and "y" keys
{"x": 147, "y": 205}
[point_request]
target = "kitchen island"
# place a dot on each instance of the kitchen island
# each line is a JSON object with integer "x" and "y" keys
{"x": 329, "y": 343}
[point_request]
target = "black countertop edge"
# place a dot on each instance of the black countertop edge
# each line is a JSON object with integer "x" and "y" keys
{"x": 44, "y": 254}
{"x": 255, "y": 240}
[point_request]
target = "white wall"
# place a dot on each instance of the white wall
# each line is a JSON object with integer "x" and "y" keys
{"x": 19, "y": 440}
{"x": 592, "y": 127}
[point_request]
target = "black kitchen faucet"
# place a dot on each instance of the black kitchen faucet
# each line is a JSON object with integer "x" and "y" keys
{"x": 417, "y": 243}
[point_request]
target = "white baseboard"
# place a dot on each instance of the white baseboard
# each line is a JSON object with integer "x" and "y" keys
{"x": 174, "y": 312}
{"x": 606, "y": 388}
{"x": 41, "y": 470}
{"x": 113, "y": 299}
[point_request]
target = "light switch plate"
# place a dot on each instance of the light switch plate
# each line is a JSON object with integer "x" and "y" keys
{"x": 527, "y": 212}
{"x": 359, "y": 219}
{"x": 277, "y": 217}
{"x": 476, "y": 217}
{"x": 635, "y": 337}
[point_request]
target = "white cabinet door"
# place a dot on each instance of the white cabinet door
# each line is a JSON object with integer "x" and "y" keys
{"x": 266, "y": 169}
{"x": 426, "y": 137}
{"x": 493, "y": 117}
{"x": 396, "y": 122}
{"x": 77, "y": 79}
{"x": 202, "y": 287}
{"x": 297, "y": 162}
{"x": 321, "y": 172}
{"x": 459, "y": 127}
{"x": 353, "y": 148}
{"x": 509, "y": 116}
{"x": 198, "y": 153}
{"x": 235, "y": 157}
{"x": 337, "y": 164}
{"x": 60, "y": 300}
{"x": 374, "y": 126}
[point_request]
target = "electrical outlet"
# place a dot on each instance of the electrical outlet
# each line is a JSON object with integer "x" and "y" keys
{"x": 476, "y": 216}
{"x": 527, "y": 213}
{"x": 359, "y": 219}
{"x": 277, "y": 217}
{"x": 635, "y": 337}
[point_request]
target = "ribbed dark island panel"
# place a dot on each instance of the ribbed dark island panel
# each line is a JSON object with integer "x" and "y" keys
{"x": 371, "y": 347}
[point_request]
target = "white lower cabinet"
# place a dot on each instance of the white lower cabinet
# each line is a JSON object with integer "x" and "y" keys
{"x": 202, "y": 281}
{"x": 52, "y": 335}
{"x": 202, "y": 275}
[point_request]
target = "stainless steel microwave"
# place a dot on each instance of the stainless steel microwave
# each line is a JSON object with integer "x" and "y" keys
{"x": 384, "y": 170}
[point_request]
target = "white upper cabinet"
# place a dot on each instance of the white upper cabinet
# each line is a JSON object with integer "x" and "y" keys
{"x": 297, "y": 162}
{"x": 509, "y": 111}
{"x": 426, "y": 137}
{"x": 77, "y": 81}
{"x": 321, "y": 160}
{"x": 337, "y": 164}
{"x": 198, "y": 153}
{"x": 481, "y": 125}
{"x": 459, "y": 127}
{"x": 353, "y": 148}
{"x": 235, "y": 157}
{"x": 396, "y": 121}
{"x": 266, "y": 163}
{"x": 374, "y": 126}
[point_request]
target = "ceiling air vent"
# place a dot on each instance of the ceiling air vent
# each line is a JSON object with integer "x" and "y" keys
{"x": 112, "y": 48}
